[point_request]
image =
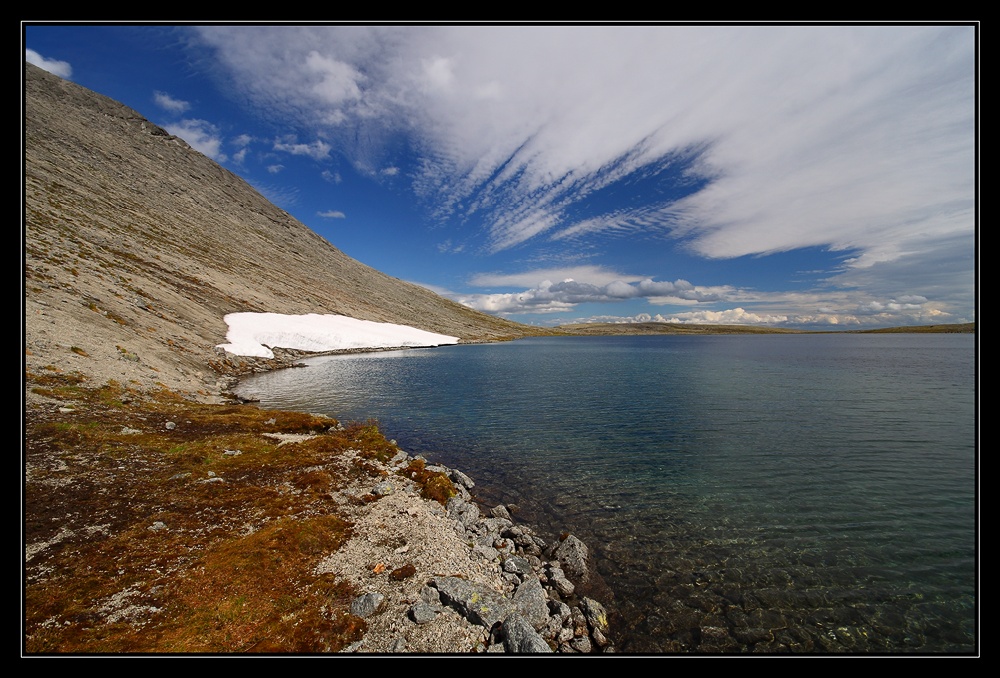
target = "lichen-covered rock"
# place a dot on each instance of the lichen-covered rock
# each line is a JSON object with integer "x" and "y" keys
{"x": 478, "y": 604}
{"x": 596, "y": 615}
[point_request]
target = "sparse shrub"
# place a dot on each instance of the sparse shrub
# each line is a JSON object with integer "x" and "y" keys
{"x": 433, "y": 484}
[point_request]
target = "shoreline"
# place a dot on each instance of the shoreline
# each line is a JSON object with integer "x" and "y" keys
{"x": 528, "y": 564}
{"x": 395, "y": 551}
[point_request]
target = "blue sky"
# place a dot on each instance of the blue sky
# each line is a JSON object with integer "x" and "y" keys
{"x": 788, "y": 175}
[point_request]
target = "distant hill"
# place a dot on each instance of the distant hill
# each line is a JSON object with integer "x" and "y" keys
{"x": 958, "y": 328}
{"x": 136, "y": 246}
{"x": 607, "y": 329}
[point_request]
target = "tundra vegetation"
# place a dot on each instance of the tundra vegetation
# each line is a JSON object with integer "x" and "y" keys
{"x": 158, "y": 524}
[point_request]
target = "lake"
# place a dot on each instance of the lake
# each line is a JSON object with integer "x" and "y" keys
{"x": 811, "y": 493}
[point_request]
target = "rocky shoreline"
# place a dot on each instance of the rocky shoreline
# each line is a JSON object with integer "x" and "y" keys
{"x": 521, "y": 597}
{"x": 516, "y": 593}
{"x": 454, "y": 578}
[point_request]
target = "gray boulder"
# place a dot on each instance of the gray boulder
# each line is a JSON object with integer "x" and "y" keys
{"x": 531, "y": 602}
{"x": 574, "y": 557}
{"x": 366, "y": 605}
{"x": 519, "y": 637}
{"x": 476, "y": 603}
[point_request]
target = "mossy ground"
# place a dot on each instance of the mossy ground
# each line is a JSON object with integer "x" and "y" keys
{"x": 196, "y": 537}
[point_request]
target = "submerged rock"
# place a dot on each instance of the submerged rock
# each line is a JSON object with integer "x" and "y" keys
{"x": 574, "y": 557}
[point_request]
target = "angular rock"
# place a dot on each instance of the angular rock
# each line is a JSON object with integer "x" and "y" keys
{"x": 476, "y": 603}
{"x": 460, "y": 479}
{"x": 366, "y": 605}
{"x": 596, "y": 615}
{"x": 422, "y": 613}
{"x": 517, "y": 565}
{"x": 531, "y": 602}
{"x": 557, "y": 578}
{"x": 487, "y": 553}
{"x": 500, "y": 511}
{"x": 430, "y": 595}
{"x": 574, "y": 557}
{"x": 520, "y": 637}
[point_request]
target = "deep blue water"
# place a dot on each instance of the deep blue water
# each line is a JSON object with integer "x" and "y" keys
{"x": 773, "y": 493}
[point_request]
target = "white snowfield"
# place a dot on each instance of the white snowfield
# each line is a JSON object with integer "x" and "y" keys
{"x": 250, "y": 334}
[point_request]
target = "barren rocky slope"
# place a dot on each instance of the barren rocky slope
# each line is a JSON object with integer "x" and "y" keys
{"x": 136, "y": 247}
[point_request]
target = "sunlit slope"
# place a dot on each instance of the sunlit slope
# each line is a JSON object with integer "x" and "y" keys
{"x": 134, "y": 238}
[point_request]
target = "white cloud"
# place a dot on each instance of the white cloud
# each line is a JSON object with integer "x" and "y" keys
{"x": 818, "y": 307}
{"x": 854, "y": 138}
{"x": 332, "y": 177}
{"x": 550, "y": 297}
{"x": 815, "y": 134}
{"x": 317, "y": 150}
{"x": 53, "y": 66}
{"x": 332, "y": 214}
{"x": 733, "y": 316}
{"x": 169, "y": 103}
{"x": 275, "y": 168}
{"x": 202, "y": 135}
{"x": 334, "y": 81}
{"x": 439, "y": 72}
{"x": 597, "y": 275}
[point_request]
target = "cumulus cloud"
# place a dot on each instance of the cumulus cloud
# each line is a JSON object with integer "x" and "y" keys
{"x": 169, "y": 103}
{"x": 53, "y": 66}
{"x": 598, "y": 275}
{"x": 202, "y": 135}
{"x": 333, "y": 81}
{"x": 317, "y": 150}
{"x": 549, "y": 297}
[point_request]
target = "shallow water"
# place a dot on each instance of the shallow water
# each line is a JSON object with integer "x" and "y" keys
{"x": 775, "y": 493}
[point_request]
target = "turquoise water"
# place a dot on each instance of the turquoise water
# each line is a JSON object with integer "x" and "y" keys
{"x": 775, "y": 493}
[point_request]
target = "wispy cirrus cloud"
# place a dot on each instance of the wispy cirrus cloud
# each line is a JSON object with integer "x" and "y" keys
{"x": 811, "y": 134}
{"x": 728, "y": 141}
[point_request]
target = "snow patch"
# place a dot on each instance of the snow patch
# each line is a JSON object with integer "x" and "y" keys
{"x": 250, "y": 334}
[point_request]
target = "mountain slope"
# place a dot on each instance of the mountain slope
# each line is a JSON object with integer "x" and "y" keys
{"x": 136, "y": 246}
